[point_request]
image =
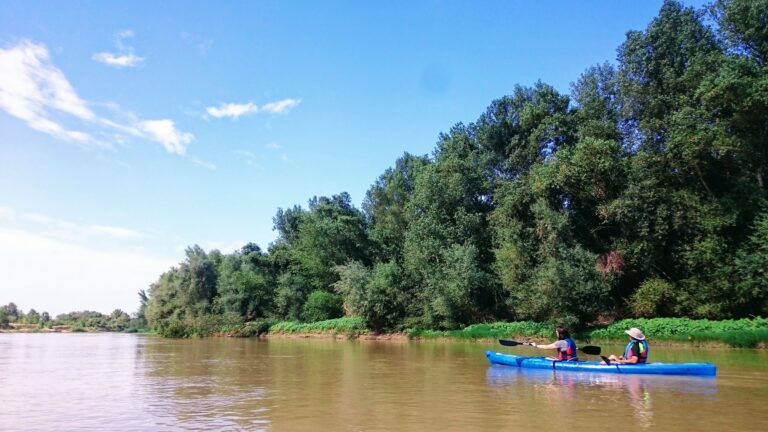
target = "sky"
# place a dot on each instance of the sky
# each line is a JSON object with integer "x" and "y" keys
{"x": 131, "y": 130}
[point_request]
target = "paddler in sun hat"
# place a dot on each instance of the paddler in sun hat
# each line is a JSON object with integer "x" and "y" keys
{"x": 636, "y": 351}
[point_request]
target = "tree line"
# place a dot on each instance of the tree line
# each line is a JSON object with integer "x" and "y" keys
{"x": 81, "y": 320}
{"x": 639, "y": 194}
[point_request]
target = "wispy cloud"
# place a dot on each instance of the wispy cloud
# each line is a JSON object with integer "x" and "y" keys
{"x": 124, "y": 57}
{"x": 250, "y": 158}
{"x": 118, "y": 61}
{"x": 37, "y": 92}
{"x": 64, "y": 229}
{"x": 166, "y": 133}
{"x": 273, "y": 146}
{"x": 202, "y": 163}
{"x": 282, "y": 106}
{"x": 234, "y": 110}
{"x": 115, "y": 232}
{"x": 31, "y": 88}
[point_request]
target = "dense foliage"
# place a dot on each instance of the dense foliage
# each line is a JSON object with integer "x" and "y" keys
{"x": 640, "y": 194}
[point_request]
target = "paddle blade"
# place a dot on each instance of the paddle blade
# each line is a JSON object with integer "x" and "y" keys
{"x": 591, "y": 350}
{"x": 511, "y": 342}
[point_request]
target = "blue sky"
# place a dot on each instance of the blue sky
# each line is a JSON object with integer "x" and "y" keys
{"x": 130, "y": 130}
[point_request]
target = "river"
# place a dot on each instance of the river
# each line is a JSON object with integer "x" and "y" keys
{"x": 123, "y": 382}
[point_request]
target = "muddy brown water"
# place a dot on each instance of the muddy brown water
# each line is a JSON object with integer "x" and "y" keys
{"x": 121, "y": 382}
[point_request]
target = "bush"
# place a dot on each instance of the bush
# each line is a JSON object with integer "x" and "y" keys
{"x": 254, "y": 328}
{"x": 654, "y": 298}
{"x": 174, "y": 328}
{"x": 321, "y": 306}
{"x": 353, "y": 279}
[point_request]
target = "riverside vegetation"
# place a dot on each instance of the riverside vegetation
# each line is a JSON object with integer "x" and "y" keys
{"x": 641, "y": 194}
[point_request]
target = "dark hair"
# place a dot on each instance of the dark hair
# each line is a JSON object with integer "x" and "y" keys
{"x": 562, "y": 333}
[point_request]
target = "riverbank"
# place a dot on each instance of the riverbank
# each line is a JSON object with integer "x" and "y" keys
{"x": 745, "y": 333}
{"x": 36, "y": 328}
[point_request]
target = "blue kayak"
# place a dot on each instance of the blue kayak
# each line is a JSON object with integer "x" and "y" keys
{"x": 695, "y": 369}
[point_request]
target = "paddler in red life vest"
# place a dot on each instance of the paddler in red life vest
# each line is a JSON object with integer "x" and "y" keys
{"x": 636, "y": 351}
{"x": 565, "y": 346}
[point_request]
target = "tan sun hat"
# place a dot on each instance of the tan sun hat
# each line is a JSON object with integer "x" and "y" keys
{"x": 635, "y": 333}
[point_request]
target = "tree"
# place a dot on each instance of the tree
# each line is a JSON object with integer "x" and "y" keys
{"x": 386, "y": 203}
{"x": 33, "y": 317}
{"x": 523, "y": 128}
{"x": 330, "y": 234}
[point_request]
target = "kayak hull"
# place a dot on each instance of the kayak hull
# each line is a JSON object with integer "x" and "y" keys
{"x": 690, "y": 369}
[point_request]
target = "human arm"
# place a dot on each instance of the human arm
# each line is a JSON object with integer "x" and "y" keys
{"x": 634, "y": 356}
{"x": 553, "y": 345}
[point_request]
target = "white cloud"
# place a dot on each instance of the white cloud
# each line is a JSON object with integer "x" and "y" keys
{"x": 58, "y": 276}
{"x": 124, "y": 57}
{"x": 234, "y": 110}
{"x": 165, "y": 132}
{"x": 119, "y": 61}
{"x": 34, "y": 90}
{"x": 202, "y": 163}
{"x": 280, "y": 106}
{"x": 31, "y": 87}
{"x": 274, "y": 146}
{"x": 115, "y": 232}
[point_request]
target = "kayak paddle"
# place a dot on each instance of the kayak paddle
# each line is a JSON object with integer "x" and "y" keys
{"x": 513, "y": 343}
{"x": 589, "y": 349}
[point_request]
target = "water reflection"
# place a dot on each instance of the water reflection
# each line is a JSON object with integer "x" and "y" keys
{"x": 637, "y": 390}
{"x": 211, "y": 386}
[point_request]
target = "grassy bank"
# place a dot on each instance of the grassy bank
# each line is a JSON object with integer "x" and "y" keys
{"x": 743, "y": 333}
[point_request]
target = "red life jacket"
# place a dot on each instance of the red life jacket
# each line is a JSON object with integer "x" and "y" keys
{"x": 570, "y": 353}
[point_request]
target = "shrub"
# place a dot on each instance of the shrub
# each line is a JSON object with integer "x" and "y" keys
{"x": 321, "y": 306}
{"x": 353, "y": 279}
{"x": 174, "y": 328}
{"x": 254, "y": 328}
{"x": 654, "y": 298}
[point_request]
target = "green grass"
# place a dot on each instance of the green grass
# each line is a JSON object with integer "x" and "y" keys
{"x": 349, "y": 325}
{"x": 743, "y": 333}
{"x": 489, "y": 331}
